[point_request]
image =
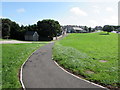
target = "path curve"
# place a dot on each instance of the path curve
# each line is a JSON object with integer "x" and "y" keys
{"x": 40, "y": 71}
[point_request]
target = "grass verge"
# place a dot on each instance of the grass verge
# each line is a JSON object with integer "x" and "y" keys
{"x": 13, "y": 56}
{"x": 92, "y": 55}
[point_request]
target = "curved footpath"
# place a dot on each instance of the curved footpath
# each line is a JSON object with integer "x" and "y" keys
{"x": 40, "y": 71}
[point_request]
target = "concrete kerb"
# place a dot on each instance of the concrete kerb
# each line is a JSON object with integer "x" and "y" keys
{"x": 79, "y": 77}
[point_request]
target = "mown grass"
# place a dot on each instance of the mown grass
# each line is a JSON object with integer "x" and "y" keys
{"x": 81, "y": 53}
{"x": 13, "y": 56}
{"x": 0, "y": 38}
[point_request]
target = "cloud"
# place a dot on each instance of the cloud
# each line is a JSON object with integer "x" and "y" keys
{"x": 109, "y": 9}
{"x": 95, "y": 6}
{"x": 96, "y": 11}
{"x": 3, "y": 17}
{"x": 21, "y": 10}
{"x": 93, "y": 23}
{"x": 78, "y": 11}
{"x": 112, "y": 20}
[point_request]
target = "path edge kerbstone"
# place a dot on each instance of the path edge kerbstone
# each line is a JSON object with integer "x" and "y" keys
{"x": 21, "y": 68}
{"x": 78, "y": 77}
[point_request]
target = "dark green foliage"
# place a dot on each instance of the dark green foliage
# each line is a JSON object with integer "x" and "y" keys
{"x": 86, "y": 28}
{"x": 89, "y": 29}
{"x": 6, "y": 24}
{"x": 14, "y": 31}
{"x": 108, "y": 28}
{"x": 48, "y": 28}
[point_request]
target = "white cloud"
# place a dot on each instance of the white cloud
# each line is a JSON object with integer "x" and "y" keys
{"x": 93, "y": 23}
{"x": 3, "y": 17}
{"x": 21, "y": 10}
{"x": 78, "y": 11}
{"x": 109, "y": 9}
{"x": 112, "y": 20}
{"x": 96, "y": 11}
{"x": 95, "y": 6}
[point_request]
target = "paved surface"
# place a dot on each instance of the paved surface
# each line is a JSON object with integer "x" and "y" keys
{"x": 40, "y": 71}
{"x": 12, "y": 41}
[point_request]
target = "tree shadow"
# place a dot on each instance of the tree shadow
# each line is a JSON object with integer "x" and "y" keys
{"x": 103, "y": 34}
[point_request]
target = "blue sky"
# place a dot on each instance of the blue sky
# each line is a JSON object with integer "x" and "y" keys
{"x": 67, "y": 13}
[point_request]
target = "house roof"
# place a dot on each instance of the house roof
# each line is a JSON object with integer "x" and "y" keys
{"x": 30, "y": 32}
{"x": 77, "y": 28}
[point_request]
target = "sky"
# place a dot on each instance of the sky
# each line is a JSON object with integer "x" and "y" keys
{"x": 83, "y": 13}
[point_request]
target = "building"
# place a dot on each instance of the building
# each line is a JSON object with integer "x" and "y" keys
{"x": 31, "y": 36}
{"x": 98, "y": 28}
{"x": 78, "y": 30}
{"x": 75, "y": 30}
{"x": 64, "y": 30}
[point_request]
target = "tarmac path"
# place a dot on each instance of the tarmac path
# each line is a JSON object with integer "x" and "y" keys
{"x": 40, "y": 71}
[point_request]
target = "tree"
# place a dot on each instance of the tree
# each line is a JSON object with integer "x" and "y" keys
{"x": 48, "y": 28}
{"x": 89, "y": 29}
{"x": 15, "y": 29}
{"x": 10, "y": 29}
{"x": 86, "y": 28}
{"x": 108, "y": 28}
{"x": 6, "y": 27}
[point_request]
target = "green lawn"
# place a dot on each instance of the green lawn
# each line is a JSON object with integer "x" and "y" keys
{"x": 13, "y": 56}
{"x": 92, "y": 55}
{"x": 1, "y": 39}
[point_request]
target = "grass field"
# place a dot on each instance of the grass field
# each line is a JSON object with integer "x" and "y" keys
{"x": 0, "y": 38}
{"x": 13, "y": 56}
{"x": 91, "y": 55}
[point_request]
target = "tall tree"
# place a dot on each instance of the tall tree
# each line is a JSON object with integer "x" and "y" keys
{"x": 86, "y": 28}
{"x": 15, "y": 29}
{"x": 6, "y": 27}
{"x": 48, "y": 28}
{"x": 108, "y": 28}
{"x": 89, "y": 29}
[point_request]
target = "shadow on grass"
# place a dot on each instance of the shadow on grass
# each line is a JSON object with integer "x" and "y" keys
{"x": 103, "y": 34}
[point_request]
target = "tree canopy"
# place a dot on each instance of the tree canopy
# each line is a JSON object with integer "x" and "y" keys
{"x": 45, "y": 28}
{"x": 108, "y": 28}
{"x": 48, "y": 28}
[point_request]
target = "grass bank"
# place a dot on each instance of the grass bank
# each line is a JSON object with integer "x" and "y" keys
{"x": 13, "y": 56}
{"x": 91, "y": 55}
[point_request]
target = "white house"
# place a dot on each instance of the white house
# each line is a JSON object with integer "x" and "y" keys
{"x": 78, "y": 30}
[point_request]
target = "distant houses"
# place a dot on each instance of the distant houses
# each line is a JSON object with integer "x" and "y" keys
{"x": 78, "y": 30}
{"x": 98, "y": 28}
{"x": 74, "y": 29}
{"x": 31, "y": 36}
